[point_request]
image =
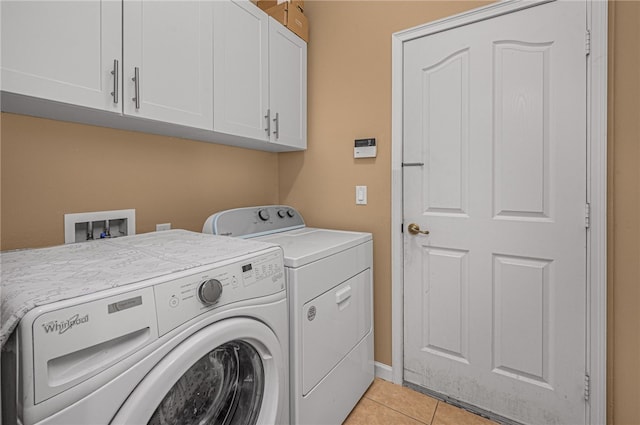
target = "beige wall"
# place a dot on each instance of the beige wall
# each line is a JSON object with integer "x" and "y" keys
{"x": 624, "y": 214}
{"x": 50, "y": 168}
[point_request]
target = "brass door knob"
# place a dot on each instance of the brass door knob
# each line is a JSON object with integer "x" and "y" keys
{"x": 414, "y": 229}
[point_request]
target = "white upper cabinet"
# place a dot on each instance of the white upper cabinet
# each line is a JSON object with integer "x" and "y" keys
{"x": 288, "y": 87}
{"x": 219, "y": 71}
{"x": 241, "y": 69}
{"x": 169, "y": 44}
{"x": 260, "y": 77}
{"x": 63, "y": 51}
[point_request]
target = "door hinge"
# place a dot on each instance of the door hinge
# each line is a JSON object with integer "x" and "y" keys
{"x": 587, "y": 387}
{"x": 587, "y": 43}
{"x": 587, "y": 215}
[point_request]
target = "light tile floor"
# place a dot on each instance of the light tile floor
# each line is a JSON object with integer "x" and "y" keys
{"x": 385, "y": 403}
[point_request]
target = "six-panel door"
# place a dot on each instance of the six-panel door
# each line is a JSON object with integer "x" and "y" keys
{"x": 495, "y": 294}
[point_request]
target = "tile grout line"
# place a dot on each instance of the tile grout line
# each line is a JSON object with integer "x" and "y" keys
{"x": 433, "y": 417}
{"x": 402, "y": 413}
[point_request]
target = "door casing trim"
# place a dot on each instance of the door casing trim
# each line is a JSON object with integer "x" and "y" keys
{"x": 597, "y": 16}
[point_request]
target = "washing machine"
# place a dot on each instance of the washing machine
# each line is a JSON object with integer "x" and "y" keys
{"x": 329, "y": 282}
{"x": 171, "y": 327}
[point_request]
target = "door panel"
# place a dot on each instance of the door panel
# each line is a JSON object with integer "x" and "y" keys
{"x": 495, "y": 294}
{"x": 341, "y": 314}
{"x": 446, "y": 289}
{"x": 288, "y": 86}
{"x": 446, "y": 127}
{"x": 521, "y": 317}
{"x": 171, "y": 44}
{"x": 66, "y": 50}
{"x": 521, "y": 184}
{"x": 241, "y": 69}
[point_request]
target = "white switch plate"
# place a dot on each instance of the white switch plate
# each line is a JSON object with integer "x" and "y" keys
{"x": 361, "y": 195}
{"x": 163, "y": 226}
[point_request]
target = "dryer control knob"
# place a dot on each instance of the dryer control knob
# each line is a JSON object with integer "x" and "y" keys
{"x": 282, "y": 213}
{"x": 290, "y": 212}
{"x": 209, "y": 291}
{"x": 264, "y": 215}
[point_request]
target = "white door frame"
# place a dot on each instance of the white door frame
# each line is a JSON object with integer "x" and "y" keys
{"x": 596, "y": 188}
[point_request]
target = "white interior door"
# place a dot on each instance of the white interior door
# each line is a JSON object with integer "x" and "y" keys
{"x": 495, "y": 294}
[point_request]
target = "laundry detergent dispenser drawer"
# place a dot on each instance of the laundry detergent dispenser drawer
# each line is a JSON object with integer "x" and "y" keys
{"x": 72, "y": 344}
{"x": 332, "y": 325}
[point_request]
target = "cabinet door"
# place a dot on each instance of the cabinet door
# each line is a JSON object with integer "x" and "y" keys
{"x": 62, "y": 50}
{"x": 170, "y": 44}
{"x": 241, "y": 69}
{"x": 288, "y": 86}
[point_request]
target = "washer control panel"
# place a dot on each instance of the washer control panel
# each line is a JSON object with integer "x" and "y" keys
{"x": 253, "y": 221}
{"x": 180, "y": 300}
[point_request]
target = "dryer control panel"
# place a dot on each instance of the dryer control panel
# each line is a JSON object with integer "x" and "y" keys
{"x": 253, "y": 221}
{"x": 180, "y": 300}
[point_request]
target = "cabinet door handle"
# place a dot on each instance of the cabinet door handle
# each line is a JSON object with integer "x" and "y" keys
{"x": 116, "y": 67}
{"x": 276, "y": 120}
{"x": 268, "y": 118}
{"x": 136, "y": 86}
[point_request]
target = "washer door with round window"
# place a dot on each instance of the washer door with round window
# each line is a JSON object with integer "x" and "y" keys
{"x": 231, "y": 372}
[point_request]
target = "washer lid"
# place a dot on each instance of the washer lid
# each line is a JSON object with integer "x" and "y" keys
{"x": 306, "y": 245}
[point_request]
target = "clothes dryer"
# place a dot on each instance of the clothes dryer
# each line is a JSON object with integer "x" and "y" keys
{"x": 329, "y": 282}
{"x": 171, "y": 327}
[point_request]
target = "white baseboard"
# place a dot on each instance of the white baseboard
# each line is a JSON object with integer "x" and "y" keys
{"x": 384, "y": 371}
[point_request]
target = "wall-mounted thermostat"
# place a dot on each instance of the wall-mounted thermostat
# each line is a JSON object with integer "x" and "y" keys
{"x": 365, "y": 148}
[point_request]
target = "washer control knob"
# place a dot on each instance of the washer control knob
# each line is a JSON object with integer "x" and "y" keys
{"x": 290, "y": 212}
{"x": 209, "y": 291}
{"x": 263, "y": 214}
{"x": 282, "y": 213}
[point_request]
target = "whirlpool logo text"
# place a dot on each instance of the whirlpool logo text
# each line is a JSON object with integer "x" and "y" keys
{"x": 65, "y": 325}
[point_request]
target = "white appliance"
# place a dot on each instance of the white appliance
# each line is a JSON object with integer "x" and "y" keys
{"x": 193, "y": 330}
{"x": 329, "y": 282}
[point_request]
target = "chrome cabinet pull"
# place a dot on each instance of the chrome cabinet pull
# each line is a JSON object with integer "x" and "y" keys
{"x": 276, "y": 121}
{"x": 115, "y": 72}
{"x": 268, "y": 118}
{"x": 136, "y": 89}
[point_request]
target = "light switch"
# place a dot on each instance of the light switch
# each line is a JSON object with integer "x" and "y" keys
{"x": 361, "y": 195}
